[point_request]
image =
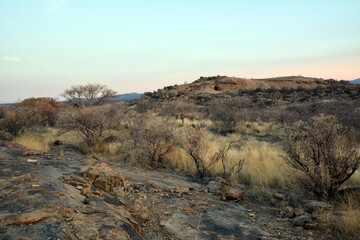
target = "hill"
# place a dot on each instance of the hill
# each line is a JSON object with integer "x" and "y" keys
{"x": 126, "y": 97}
{"x": 355, "y": 81}
{"x": 224, "y": 85}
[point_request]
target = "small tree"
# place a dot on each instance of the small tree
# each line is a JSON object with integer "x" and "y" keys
{"x": 321, "y": 150}
{"x": 91, "y": 94}
{"x": 89, "y": 122}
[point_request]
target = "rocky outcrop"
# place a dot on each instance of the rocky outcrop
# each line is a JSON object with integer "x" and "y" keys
{"x": 41, "y": 199}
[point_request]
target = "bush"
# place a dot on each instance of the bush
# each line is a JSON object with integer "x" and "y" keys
{"x": 321, "y": 150}
{"x": 90, "y": 122}
{"x": 13, "y": 124}
{"x": 153, "y": 136}
{"x": 197, "y": 148}
{"x": 228, "y": 113}
{"x": 180, "y": 110}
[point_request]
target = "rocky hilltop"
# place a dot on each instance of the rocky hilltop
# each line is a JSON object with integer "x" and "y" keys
{"x": 226, "y": 85}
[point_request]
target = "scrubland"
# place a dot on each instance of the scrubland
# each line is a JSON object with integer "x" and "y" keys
{"x": 254, "y": 138}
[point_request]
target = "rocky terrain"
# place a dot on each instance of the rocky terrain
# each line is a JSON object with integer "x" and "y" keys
{"x": 65, "y": 195}
{"x": 230, "y": 85}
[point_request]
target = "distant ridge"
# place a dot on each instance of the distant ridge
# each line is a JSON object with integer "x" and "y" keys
{"x": 355, "y": 81}
{"x": 126, "y": 97}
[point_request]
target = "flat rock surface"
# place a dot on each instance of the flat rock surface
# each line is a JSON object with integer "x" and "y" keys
{"x": 51, "y": 196}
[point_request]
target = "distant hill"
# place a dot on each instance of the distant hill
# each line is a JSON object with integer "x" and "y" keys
{"x": 356, "y": 81}
{"x": 220, "y": 85}
{"x": 126, "y": 97}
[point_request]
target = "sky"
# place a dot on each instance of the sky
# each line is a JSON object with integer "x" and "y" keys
{"x": 47, "y": 46}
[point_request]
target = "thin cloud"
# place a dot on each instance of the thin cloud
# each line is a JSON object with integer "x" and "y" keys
{"x": 13, "y": 59}
{"x": 54, "y": 5}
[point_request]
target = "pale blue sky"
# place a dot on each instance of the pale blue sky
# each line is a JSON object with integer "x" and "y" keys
{"x": 47, "y": 46}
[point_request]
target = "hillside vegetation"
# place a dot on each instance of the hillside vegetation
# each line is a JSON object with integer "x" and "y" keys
{"x": 285, "y": 142}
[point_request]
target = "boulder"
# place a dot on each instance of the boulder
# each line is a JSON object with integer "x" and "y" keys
{"x": 279, "y": 196}
{"x": 304, "y": 221}
{"x": 299, "y": 212}
{"x": 214, "y": 187}
{"x": 288, "y": 212}
{"x": 104, "y": 177}
{"x": 317, "y": 206}
{"x": 232, "y": 193}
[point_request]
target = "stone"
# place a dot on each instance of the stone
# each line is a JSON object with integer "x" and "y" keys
{"x": 288, "y": 212}
{"x": 222, "y": 181}
{"x": 279, "y": 196}
{"x": 303, "y": 221}
{"x": 317, "y": 206}
{"x": 214, "y": 187}
{"x": 32, "y": 160}
{"x": 299, "y": 212}
{"x": 104, "y": 177}
{"x": 231, "y": 193}
{"x": 85, "y": 190}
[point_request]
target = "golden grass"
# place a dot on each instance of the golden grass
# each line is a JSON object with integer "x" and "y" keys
{"x": 34, "y": 141}
{"x": 262, "y": 169}
{"x": 346, "y": 222}
{"x": 264, "y": 166}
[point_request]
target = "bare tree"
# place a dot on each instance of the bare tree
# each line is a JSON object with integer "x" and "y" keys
{"x": 89, "y": 122}
{"x": 321, "y": 150}
{"x": 91, "y": 94}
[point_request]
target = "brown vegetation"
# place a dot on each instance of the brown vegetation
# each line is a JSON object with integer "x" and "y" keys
{"x": 323, "y": 152}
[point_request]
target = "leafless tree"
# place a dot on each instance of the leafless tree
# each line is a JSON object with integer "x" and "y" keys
{"x": 91, "y": 94}
{"x": 89, "y": 122}
{"x": 321, "y": 150}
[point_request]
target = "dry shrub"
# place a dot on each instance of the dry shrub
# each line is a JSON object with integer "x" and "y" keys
{"x": 180, "y": 109}
{"x": 197, "y": 148}
{"x": 90, "y": 122}
{"x": 152, "y": 136}
{"x": 322, "y": 152}
{"x": 13, "y": 124}
{"x": 41, "y": 111}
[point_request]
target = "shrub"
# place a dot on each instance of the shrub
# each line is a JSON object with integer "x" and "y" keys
{"x": 90, "y": 122}
{"x": 13, "y": 124}
{"x": 227, "y": 114}
{"x": 197, "y": 148}
{"x": 153, "y": 136}
{"x": 180, "y": 110}
{"x": 321, "y": 150}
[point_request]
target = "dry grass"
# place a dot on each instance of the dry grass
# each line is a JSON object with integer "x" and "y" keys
{"x": 35, "y": 141}
{"x": 345, "y": 220}
{"x": 264, "y": 167}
